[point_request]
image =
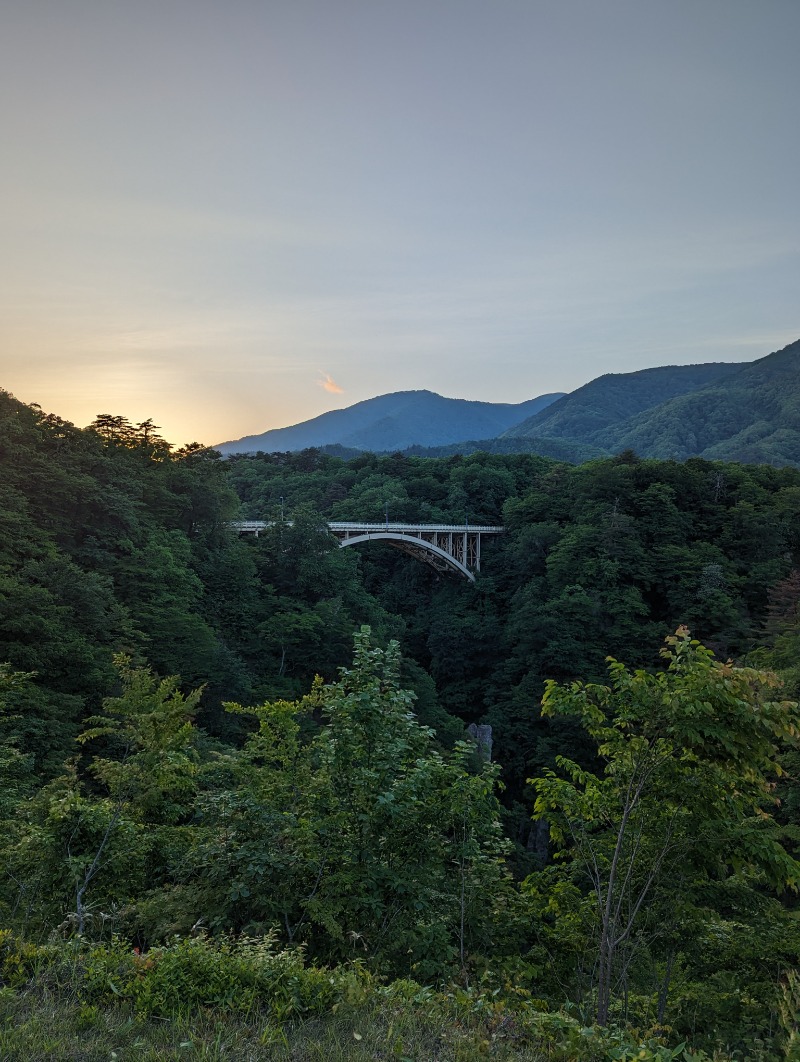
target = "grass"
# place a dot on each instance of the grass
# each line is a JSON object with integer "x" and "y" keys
{"x": 37, "y": 1026}
{"x": 198, "y": 998}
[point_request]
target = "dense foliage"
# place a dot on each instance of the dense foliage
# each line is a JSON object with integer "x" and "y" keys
{"x": 604, "y": 558}
{"x": 171, "y": 764}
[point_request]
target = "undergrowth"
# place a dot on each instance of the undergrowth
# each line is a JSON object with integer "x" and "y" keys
{"x": 199, "y": 998}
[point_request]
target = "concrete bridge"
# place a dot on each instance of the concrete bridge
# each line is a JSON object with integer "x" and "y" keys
{"x": 445, "y": 547}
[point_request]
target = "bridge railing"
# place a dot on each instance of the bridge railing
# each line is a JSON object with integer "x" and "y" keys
{"x": 354, "y": 525}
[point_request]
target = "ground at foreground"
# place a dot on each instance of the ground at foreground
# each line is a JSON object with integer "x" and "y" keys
{"x": 41, "y": 1027}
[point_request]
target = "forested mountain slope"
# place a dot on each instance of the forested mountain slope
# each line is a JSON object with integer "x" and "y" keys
{"x": 748, "y": 413}
{"x": 600, "y": 558}
{"x": 745, "y": 412}
{"x": 752, "y": 415}
{"x": 320, "y": 812}
{"x": 544, "y": 446}
{"x": 110, "y": 542}
{"x": 614, "y": 398}
{"x": 395, "y": 421}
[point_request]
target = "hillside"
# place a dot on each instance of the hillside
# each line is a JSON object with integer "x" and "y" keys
{"x": 558, "y": 449}
{"x": 574, "y": 453}
{"x": 614, "y": 398}
{"x": 214, "y": 845}
{"x": 748, "y": 412}
{"x": 394, "y": 422}
{"x": 752, "y": 415}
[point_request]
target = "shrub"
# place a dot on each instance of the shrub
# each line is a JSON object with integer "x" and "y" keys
{"x": 196, "y": 973}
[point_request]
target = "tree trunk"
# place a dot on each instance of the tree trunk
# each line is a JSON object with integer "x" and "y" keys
{"x": 663, "y": 992}
{"x": 604, "y": 979}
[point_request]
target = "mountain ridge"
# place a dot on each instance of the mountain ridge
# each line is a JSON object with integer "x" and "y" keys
{"x": 612, "y": 397}
{"x": 752, "y": 416}
{"x": 734, "y": 411}
{"x": 395, "y": 421}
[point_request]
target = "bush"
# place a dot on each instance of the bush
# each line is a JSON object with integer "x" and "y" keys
{"x": 19, "y": 960}
{"x": 223, "y": 974}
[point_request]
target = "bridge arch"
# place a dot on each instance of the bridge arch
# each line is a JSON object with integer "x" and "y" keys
{"x": 445, "y": 547}
{"x": 428, "y": 552}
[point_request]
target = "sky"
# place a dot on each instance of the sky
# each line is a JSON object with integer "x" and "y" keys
{"x": 234, "y": 215}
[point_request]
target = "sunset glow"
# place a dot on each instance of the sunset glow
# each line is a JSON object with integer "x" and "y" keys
{"x": 203, "y": 204}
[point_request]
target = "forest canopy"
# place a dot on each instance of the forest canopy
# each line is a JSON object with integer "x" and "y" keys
{"x": 208, "y": 734}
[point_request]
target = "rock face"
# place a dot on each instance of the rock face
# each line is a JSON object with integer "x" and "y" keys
{"x": 481, "y": 734}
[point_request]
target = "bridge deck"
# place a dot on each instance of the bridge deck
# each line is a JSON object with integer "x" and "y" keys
{"x": 443, "y": 546}
{"x": 353, "y": 525}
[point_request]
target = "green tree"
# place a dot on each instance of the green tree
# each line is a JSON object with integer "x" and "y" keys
{"x": 365, "y": 841}
{"x": 107, "y": 824}
{"x": 16, "y": 768}
{"x": 689, "y": 756}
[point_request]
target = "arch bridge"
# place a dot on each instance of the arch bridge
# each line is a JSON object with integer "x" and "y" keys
{"x": 445, "y": 547}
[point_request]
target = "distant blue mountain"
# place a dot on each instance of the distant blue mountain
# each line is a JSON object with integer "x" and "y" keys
{"x": 394, "y": 422}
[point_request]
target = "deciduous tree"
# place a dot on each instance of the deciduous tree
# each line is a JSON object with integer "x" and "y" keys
{"x": 688, "y": 756}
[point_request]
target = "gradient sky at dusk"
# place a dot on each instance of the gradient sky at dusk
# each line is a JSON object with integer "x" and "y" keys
{"x": 234, "y": 216}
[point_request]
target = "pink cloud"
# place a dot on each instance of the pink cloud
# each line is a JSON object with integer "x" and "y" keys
{"x": 329, "y": 384}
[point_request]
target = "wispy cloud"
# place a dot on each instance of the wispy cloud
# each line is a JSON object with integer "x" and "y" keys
{"x": 327, "y": 383}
